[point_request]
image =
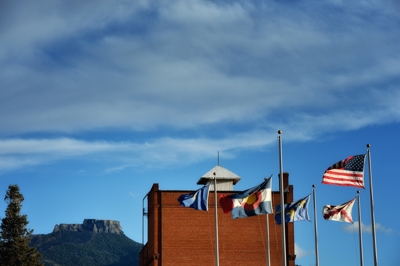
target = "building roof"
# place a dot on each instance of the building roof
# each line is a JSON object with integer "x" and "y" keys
{"x": 221, "y": 173}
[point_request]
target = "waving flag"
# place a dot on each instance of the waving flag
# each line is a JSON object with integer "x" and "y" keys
{"x": 295, "y": 211}
{"x": 254, "y": 201}
{"x": 341, "y": 213}
{"x": 348, "y": 172}
{"x": 197, "y": 200}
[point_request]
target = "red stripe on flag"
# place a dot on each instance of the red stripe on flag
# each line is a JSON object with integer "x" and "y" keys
{"x": 344, "y": 173}
{"x": 344, "y": 183}
{"x": 343, "y": 179}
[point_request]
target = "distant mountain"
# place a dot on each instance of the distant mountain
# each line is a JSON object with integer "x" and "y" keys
{"x": 93, "y": 243}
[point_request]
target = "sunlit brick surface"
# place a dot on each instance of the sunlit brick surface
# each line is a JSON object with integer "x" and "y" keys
{"x": 184, "y": 236}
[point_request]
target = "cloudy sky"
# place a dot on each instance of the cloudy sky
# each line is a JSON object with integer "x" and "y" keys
{"x": 101, "y": 99}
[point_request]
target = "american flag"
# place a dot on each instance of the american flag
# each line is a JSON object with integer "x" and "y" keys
{"x": 348, "y": 172}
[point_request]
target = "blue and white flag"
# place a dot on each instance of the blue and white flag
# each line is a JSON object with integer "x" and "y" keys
{"x": 295, "y": 211}
{"x": 197, "y": 200}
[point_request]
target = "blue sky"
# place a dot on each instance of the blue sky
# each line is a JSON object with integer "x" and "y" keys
{"x": 101, "y": 99}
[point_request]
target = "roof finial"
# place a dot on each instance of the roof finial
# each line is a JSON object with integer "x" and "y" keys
{"x": 218, "y": 158}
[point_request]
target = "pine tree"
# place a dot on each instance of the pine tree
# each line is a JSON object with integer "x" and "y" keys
{"x": 14, "y": 236}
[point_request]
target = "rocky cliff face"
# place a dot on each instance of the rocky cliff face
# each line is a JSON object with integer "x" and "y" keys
{"x": 92, "y": 243}
{"x": 92, "y": 226}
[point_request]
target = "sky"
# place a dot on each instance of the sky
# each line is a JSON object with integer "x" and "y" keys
{"x": 99, "y": 100}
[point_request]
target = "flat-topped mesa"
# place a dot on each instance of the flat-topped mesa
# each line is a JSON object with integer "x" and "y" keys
{"x": 91, "y": 225}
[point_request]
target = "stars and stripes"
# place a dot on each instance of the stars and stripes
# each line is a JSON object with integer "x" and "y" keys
{"x": 348, "y": 172}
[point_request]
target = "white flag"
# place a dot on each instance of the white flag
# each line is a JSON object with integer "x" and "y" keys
{"x": 341, "y": 213}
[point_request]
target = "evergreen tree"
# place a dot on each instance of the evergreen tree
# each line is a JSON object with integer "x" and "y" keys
{"x": 14, "y": 236}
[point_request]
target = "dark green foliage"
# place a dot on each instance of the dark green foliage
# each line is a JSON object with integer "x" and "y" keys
{"x": 14, "y": 236}
{"x": 86, "y": 249}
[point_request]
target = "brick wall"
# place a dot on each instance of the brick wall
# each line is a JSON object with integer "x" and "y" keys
{"x": 184, "y": 236}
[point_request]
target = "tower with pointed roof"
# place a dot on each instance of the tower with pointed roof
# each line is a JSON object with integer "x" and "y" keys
{"x": 225, "y": 178}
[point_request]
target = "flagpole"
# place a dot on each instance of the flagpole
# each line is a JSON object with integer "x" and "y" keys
{"x": 281, "y": 191}
{"x": 372, "y": 207}
{"x": 315, "y": 227}
{"x": 216, "y": 221}
{"x": 268, "y": 248}
{"x": 267, "y": 238}
{"x": 360, "y": 229}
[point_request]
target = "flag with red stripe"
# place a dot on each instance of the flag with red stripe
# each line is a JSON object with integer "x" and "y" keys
{"x": 254, "y": 201}
{"x": 341, "y": 213}
{"x": 348, "y": 172}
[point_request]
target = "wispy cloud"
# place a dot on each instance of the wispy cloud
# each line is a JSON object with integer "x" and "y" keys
{"x": 161, "y": 152}
{"x": 17, "y": 153}
{"x": 353, "y": 228}
{"x": 300, "y": 252}
{"x": 133, "y": 195}
{"x": 146, "y": 66}
{"x": 85, "y": 76}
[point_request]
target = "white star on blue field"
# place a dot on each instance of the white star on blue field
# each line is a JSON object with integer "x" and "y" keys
{"x": 101, "y": 99}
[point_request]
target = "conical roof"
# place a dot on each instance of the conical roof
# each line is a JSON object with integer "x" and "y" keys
{"x": 221, "y": 174}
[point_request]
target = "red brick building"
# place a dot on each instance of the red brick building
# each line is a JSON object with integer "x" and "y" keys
{"x": 185, "y": 236}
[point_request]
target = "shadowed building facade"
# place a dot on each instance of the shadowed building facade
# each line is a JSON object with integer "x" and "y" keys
{"x": 185, "y": 236}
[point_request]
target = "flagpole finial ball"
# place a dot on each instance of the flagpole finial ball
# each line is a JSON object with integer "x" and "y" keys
{"x": 358, "y": 192}
{"x": 313, "y": 186}
{"x": 279, "y": 131}
{"x": 368, "y": 145}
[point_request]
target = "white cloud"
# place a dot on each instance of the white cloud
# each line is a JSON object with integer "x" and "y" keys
{"x": 133, "y": 195}
{"x": 17, "y": 153}
{"x": 146, "y": 65}
{"x": 65, "y": 146}
{"x": 353, "y": 228}
{"x": 300, "y": 252}
{"x": 163, "y": 152}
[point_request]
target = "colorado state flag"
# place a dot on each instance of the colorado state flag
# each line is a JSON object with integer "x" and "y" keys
{"x": 197, "y": 200}
{"x": 295, "y": 211}
{"x": 254, "y": 201}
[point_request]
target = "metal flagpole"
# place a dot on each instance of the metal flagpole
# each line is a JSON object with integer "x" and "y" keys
{"x": 359, "y": 229}
{"x": 267, "y": 237}
{"x": 315, "y": 227}
{"x": 281, "y": 191}
{"x": 268, "y": 248}
{"x": 372, "y": 207}
{"x": 216, "y": 221}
